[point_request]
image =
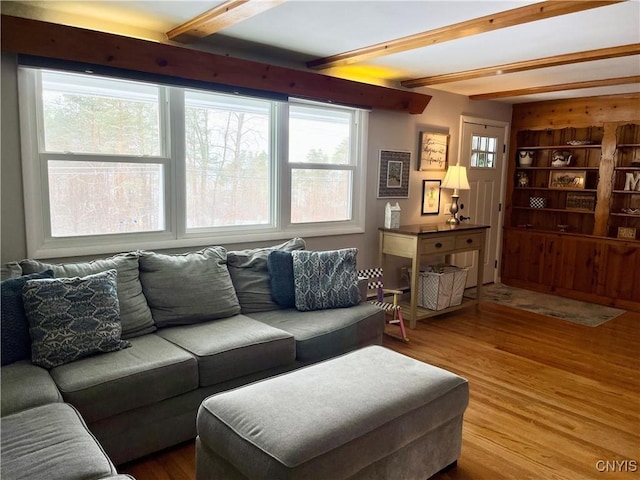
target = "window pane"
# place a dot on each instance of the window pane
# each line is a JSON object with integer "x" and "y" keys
{"x": 96, "y": 198}
{"x": 317, "y": 135}
{"x": 227, "y": 160}
{"x": 320, "y": 195}
{"x": 85, "y": 114}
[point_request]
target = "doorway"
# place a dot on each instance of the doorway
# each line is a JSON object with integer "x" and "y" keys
{"x": 483, "y": 151}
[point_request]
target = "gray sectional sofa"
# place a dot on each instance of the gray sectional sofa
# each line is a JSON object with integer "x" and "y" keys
{"x": 192, "y": 325}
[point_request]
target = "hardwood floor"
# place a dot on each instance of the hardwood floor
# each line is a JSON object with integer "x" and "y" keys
{"x": 549, "y": 399}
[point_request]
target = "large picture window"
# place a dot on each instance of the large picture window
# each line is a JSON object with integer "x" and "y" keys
{"x": 110, "y": 164}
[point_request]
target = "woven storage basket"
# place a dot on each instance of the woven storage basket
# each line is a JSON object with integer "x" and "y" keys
{"x": 443, "y": 288}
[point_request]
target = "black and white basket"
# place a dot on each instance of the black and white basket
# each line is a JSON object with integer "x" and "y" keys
{"x": 537, "y": 202}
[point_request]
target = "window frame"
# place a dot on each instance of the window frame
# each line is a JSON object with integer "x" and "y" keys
{"x": 41, "y": 244}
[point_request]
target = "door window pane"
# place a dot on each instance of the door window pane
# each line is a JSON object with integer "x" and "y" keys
{"x": 483, "y": 151}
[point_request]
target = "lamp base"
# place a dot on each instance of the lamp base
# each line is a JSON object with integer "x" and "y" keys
{"x": 453, "y": 209}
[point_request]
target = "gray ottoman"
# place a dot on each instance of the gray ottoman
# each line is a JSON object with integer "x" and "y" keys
{"x": 372, "y": 414}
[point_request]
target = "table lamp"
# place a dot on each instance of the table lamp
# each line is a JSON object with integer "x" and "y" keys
{"x": 456, "y": 179}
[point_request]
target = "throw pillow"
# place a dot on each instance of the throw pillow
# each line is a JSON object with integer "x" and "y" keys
{"x": 280, "y": 267}
{"x": 16, "y": 342}
{"x": 248, "y": 269}
{"x": 188, "y": 288}
{"x": 72, "y": 318}
{"x": 135, "y": 315}
{"x": 325, "y": 279}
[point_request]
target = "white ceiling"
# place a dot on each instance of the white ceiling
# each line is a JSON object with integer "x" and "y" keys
{"x": 298, "y": 31}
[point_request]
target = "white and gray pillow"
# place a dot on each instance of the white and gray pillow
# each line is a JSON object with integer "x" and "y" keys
{"x": 135, "y": 315}
{"x": 72, "y": 318}
{"x": 325, "y": 279}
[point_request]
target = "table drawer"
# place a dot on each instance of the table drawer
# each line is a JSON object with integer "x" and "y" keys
{"x": 473, "y": 240}
{"x": 437, "y": 245}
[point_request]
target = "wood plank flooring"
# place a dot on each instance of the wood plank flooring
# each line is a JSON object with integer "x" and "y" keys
{"x": 549, "y": 399}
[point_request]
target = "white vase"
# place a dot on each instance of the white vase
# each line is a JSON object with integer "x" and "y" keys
{"x": 525, "y": 158}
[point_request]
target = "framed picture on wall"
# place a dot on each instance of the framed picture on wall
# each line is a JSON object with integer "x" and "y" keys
{"x": 431, "y": 197}
{"x": 433, "y": 151}
{"x": 393, "y": 174}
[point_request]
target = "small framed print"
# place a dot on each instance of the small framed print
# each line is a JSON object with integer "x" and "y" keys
{"x": 627, "y": 233}
{"x": 393, "y": 174}
{"x": 431, "y": 197}
{"x": 568, "y": 179}
{"x": 433, "y": 151}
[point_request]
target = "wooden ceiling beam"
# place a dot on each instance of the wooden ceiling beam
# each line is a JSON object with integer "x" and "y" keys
{"x": 50, "y": 40}
{"x": 557, "y": 88}
{"x": 223, "y": 16}
{"x": 488, "y": 23}
{"x": 557, "y": 60}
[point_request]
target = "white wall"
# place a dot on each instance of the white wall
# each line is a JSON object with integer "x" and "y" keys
{"x": 387, "y": 130}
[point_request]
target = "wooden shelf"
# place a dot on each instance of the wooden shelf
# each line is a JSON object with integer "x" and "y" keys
{"x": 628, "y": 215}
{"x": 561, "y": 168}
{"x": 627, "y": 192}
{"x": 562, "y": 210}
{"x": 586, "y": 190}
{"x": 563, "y": 147}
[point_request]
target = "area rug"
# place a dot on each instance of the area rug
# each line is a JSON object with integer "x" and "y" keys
{"x": 584, "y": 313}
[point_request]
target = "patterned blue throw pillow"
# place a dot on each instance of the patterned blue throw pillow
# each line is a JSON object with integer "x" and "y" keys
{"x": 325, "y": 279}
{"x": 71, "y": 318}
{"x": 16, "y": 342}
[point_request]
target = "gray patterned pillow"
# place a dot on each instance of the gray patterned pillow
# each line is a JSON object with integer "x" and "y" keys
{"x": 135, "y": 315}
{"x": 325, "y": 279}
{"x": 71, "y": 318}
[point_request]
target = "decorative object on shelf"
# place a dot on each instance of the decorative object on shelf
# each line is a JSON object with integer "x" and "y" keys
{"x": 581, "y": 201}
{"x": 523, "y": 180}
{"x": 456, "y": 179}
{"x": 632, "y": 181}
{"x": 563, "y": 228}
{"x": 431, "y": 197}
{"x": 567, "y": 179}
{"x": 560, "y": 159}
{"x": 579, "y": 142}
{"x": 393, "y": 174}
{"x": 392, "y": 215}
{"x": 631, "y": 211}
{"x": 627, "y": 233}
{"x": 525, "y": 158}
{"x": 433, "y": 151}
{"x": 537, "y": 202}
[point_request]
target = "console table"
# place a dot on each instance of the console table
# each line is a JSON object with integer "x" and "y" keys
{"x": 416, "y": 241}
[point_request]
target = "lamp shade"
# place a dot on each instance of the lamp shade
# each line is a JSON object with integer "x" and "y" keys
{"x": 456, "y": 178}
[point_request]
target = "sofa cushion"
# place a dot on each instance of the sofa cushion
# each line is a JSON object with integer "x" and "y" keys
{"x": 152, "y": 370}
{"x": 322, "y": 334}
{"x": 51, "y": 441}
{"x": 233, "y": 347}
{"x": 24, "y": 385}
{"x": 280, "y": 267}
{"x": 325, "y": 279}
{"x": 16, "y": 342}
{"x": 188, "y": 288}
{"x": 71, "y": 318}
{"x": 248, "y": 269}
{"x": 135, "y": 315}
